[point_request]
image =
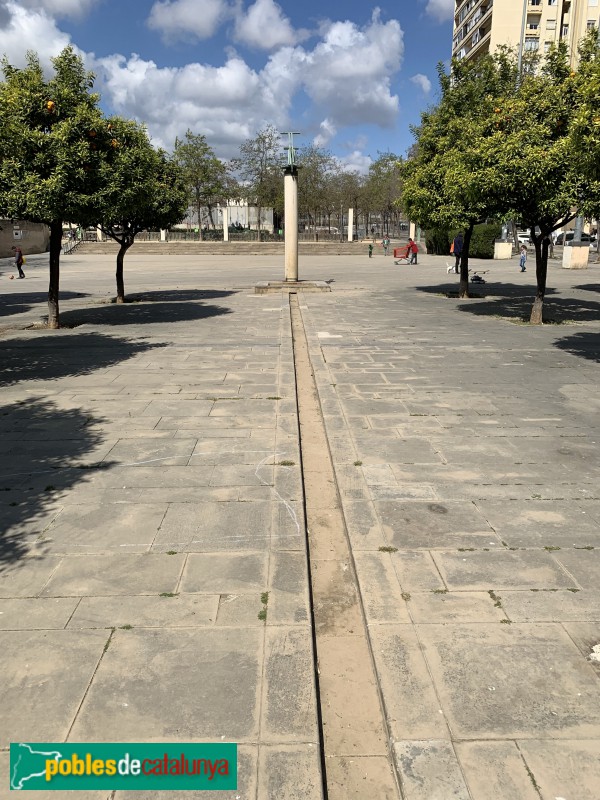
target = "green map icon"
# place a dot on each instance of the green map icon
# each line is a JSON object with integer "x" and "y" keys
{"x": 27, "y": 763}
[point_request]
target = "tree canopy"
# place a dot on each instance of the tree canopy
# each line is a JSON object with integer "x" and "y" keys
{"x": 507, "y": 145}
{"x": 52, "y": 139}
{"x": 141, "y": 188}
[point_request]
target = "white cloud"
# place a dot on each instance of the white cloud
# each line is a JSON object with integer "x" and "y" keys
{"x": 266, "y": 27}
{"x": 441, "y": 10}
{"x": 356, "y": 161}
{"x": 188, "y": 19}
{"x": 348, "y": 74}
{"x": 227, "y": 104}
{"x": 422, "y": 81}
{"x": 60, "y": 8}
{"x": 35, "y": 28}
{"x": 327, "y": 131}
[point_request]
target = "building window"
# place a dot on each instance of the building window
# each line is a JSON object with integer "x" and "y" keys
{"x": 551, "y": 2}
{"x": 550, "y": 24}
{"x": 565, "y": 31}
{"x": 591, "y": 23}
{"x": 547, "y": 46}
{"x": 531, "y": 43}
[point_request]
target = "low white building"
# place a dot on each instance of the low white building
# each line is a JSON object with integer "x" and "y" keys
{"x": 239, "y": 212}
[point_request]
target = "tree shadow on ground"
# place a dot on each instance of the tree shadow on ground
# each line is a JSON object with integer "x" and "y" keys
{"x": 20, "y": 302}
{"x": 488, "y": 289}
{"x": 585, "y": 344}
{"x": 171, "y": 295}
{"x": 510, "y": 302}
{"x": 558, "y": 310}
{"x": 62, "y": 354}
{"x": 589, "y": 287}
{"x": 46, "y": 454}
{"x": 140, "y": 314}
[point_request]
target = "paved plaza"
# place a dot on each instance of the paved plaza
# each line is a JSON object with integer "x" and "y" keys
{"x": 159, "y": 583}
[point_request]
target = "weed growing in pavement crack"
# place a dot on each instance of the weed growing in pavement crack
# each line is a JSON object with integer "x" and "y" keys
{"x": 264, "y": 599}
{"x": 388, "y": 549}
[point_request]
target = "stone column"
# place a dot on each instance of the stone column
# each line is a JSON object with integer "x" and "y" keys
{"x": 225, "y": 211}
{"x": 290, "y": 194}
{"x": 99, "y": 234}
{"x": 350, "y": 224}
{"x": 163, "y": 236}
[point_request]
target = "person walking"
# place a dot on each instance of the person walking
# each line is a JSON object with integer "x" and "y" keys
{"x": 19, "y": 261}
{"x": 523, "y": 258}
{"x": 413, "y": 250}
{"x": 386, "y": 244}
{"x": 457, "y": 248}
{"x": 370, "y": 250}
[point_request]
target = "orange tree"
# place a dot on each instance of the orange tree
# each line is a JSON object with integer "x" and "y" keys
{"x": 445, "y": 183}
{"x": 140, "y": 188}
{"x": 534, "y": 161}
{"x": 52, "y": 141}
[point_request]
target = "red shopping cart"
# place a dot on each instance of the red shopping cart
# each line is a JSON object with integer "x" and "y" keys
{"x": 402, "y": 254}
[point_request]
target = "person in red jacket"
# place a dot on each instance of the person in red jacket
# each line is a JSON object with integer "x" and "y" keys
{"x": 413, "y": 250}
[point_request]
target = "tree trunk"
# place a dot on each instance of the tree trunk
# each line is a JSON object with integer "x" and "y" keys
{"x": 210, "y": 216}
{"x": 516, "y": 243}
{"x": 120, "y": 282}
{"x": 463, "y": 290}
{"x": 541, "y": 271}
{"x": 55, "y": 246}
{"x": 198, "y": 208}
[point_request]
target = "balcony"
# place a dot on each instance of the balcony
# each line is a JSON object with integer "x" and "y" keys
{"x": 480, "y": 17}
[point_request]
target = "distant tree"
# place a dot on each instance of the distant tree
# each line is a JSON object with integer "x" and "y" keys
{"x": 383, "y": 187}
{"x": 52, "y": 140}
{"x": 259, "y": 170}
{"x": 315, "y": 165}
{"x": 205, "y": 175}
{"x": 142, "y": 189}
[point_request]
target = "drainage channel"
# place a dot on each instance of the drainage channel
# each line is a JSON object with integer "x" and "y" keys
{"x": 356, "y": 757}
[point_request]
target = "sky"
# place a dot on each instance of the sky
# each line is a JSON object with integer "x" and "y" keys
{"x": 348, "y": 76}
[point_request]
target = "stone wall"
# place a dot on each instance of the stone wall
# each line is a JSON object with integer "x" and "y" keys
{"x": 33, "y": 237}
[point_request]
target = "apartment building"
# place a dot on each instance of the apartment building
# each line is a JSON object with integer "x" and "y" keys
{"x": 482, "y": 25}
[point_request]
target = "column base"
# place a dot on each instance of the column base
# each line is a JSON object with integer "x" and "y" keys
{"x": 576, "y": 256}
{"x": 292, "y": 287}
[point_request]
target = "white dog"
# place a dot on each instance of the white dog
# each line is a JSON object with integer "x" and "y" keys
{"x": 450, "y": 267}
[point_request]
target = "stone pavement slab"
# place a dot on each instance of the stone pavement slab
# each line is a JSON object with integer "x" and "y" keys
{"x": 53, "y": 669}
{"x": 212, "y": 686}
